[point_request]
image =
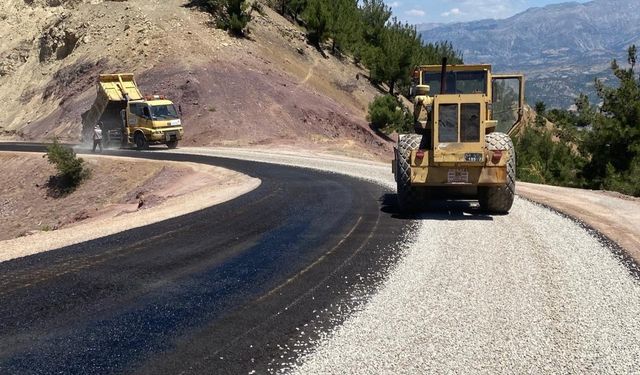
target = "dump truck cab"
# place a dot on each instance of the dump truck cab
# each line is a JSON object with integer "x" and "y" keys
{"x": 463, "y": 117}
{"x": 130, "y": 119}
{"x": 154, "y": 120}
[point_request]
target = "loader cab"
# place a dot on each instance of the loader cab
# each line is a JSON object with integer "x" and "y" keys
{"x": 469, "y": 103}
{"x": 464, "y": 116}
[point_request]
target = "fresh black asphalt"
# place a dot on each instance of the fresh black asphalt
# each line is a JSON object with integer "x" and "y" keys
{"x": 218, "y": 291}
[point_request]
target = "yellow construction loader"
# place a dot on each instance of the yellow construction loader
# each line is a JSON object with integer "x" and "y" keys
{"x": 462, "y": 146}
{"x": 130, "y": 119}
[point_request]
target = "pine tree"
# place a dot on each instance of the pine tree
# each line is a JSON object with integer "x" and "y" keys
{"x": 345, "y": 26}
{"x": 540, "y": 109}
{"x": 232, "y": 15}
{"x": 317, "y": 17}
{"x": 375, "y": 14}
{"x": 291, "y": 8}
{"x": 614, "y": 142}
{"x": 395, "y": 56}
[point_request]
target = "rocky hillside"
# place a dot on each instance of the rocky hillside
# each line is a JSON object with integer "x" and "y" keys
{"x": 271, "y": 88}
{"x": 561, "y": 48}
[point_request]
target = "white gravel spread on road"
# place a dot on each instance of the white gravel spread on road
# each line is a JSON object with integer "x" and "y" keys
{"x": 530, "y": 292}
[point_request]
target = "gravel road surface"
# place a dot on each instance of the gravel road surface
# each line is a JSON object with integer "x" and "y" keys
{"x": 531, "y": 292}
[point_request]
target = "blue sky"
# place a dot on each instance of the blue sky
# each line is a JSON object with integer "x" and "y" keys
{"x": 444, "y": 11}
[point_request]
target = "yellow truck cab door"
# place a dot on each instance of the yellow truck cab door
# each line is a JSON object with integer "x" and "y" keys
{"x": 146, "y": 117}
{"x": 507, "y": 102}
{"x": 139, "y": 115}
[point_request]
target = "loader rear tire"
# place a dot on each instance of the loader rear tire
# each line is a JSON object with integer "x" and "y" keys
{"x": 172, "y": 144}
{"x": 409, "y": 198}
{"x": 499, "y": 199}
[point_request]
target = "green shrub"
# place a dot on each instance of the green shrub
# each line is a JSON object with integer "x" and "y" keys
{"x": 388, "y": 114}
{"x": 257, "y": 7}
{"x": 231, "y": 15}
{"x": 71, "y": 169}
{"x": 627, "y": 182}
{"x": 544, "y": 160}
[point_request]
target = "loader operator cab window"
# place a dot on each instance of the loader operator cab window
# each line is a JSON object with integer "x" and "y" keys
{"x": 472, "y": 82}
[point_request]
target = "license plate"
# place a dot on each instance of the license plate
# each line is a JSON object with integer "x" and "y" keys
{"x": 458, "y": 176}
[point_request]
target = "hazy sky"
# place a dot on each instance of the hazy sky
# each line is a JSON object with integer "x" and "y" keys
{"x": 422, "y": 11}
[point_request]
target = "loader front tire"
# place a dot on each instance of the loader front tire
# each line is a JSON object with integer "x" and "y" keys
{"x": 141, "y": 141}
{"x": 409, "y": 198}
{"x": 499, "y": 199}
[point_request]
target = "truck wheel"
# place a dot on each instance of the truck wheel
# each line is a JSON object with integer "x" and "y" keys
{"x": 141, "y": 141}
{"x": 172, "y": 144}
{"x": 499, "y": 199}
{"x": 409, "y": 198}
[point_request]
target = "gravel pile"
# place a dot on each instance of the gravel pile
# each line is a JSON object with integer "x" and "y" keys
{"x": 528, "y": 292}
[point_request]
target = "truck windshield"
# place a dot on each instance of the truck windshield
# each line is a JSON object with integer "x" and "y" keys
{"x": 165, "y": 111}
{"x": 472, "y": 82}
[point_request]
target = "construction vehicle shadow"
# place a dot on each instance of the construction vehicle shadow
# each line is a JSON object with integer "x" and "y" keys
{"x": 436, "y": 209}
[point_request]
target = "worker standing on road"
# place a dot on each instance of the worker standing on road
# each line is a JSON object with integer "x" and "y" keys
{"x": 97, "y": 137}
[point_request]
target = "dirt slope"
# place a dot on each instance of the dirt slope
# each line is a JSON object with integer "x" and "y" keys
{"x": 115, "y": 187}
{"x": 269, "y": 89}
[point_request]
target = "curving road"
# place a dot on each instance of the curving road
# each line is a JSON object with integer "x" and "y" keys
{"x": 219, "y": 289}
{"x": 277, "y": 279}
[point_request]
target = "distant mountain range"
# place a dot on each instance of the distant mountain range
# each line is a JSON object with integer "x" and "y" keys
{"x": 561, "y": 48}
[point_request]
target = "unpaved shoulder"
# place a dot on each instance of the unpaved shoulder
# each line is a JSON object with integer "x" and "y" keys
{"x": 616, "y": 216}
{"x": 147, "y": 192}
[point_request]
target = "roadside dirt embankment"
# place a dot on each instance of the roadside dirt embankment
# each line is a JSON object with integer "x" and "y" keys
{"x": 615, "y": 215}
{"x": 121, "y": 194}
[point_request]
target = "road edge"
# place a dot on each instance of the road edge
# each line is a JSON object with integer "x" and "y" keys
{"x": 626, "y": 258}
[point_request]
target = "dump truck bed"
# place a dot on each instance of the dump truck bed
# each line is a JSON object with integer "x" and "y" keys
{"x": 115, "y": 86}
{"x": 112, "y": 93}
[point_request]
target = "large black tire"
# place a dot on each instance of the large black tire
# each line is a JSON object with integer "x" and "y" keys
{"x": 172, "y": 144}
{"x": 499, "y": 199}
{"x": 409, "y": 198}
{"x": 141, "y": 141}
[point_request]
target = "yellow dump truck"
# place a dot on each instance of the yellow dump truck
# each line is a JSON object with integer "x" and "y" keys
{"x": 130, "y": 119}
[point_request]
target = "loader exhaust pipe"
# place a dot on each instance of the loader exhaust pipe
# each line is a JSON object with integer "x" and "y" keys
{"x": 443, "y": 77}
